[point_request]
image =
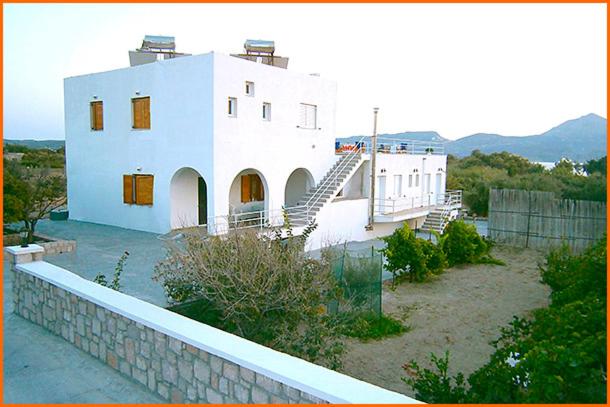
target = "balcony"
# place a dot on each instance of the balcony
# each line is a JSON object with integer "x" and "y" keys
{"x": 399, "y": 209}
{"x": 392, "y": 146}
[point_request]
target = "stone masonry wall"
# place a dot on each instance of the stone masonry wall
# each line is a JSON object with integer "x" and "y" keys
{"x": 55, "y": 246}
{"x": 178, "y": 372}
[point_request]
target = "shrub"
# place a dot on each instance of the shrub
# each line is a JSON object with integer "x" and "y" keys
{"x": 436, "y": 387}
{"x": 462, "y": 244}
{"x": 368, "y": 325}
{"x": 435, "y": 258}
{"x": 115, "y": 284}
{"x": 264, "y": 288}
{"x": 404, "y": 255}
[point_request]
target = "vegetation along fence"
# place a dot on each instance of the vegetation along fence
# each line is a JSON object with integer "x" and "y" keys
{"x": 539, "y": 220}
{"x": 360, "y": 278}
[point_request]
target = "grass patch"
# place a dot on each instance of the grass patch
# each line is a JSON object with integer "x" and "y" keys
{"x": 369, "y": 326}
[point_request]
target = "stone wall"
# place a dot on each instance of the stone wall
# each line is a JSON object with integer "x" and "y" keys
{"x": 172, "y": 365}
{"x": 56, "y": 246}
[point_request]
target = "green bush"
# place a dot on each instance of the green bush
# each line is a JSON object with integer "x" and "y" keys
{"x": 405, "y": 255}
{"x": 435, "y": 258}
{"x": 368, "y": 325}
{"x": 462, "y": 244}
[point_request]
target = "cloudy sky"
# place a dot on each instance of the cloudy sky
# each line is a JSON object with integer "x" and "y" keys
{"x": 513, "y": 69}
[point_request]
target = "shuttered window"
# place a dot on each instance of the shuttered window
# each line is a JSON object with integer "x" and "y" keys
{"x": 141, "y": 113}
{"x": 97, "y": 115}
{"x": 252, "y": 188}
{"x": 138, "y": 189}
{"x": 307, "y": 116}
{"x": 232, "y": 107}
{"x": 128, "y": 189}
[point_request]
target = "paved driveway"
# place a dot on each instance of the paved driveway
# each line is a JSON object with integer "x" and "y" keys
{"x": 98, "y": 248}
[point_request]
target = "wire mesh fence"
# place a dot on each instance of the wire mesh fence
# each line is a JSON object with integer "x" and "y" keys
{"x": 359, "y": 277}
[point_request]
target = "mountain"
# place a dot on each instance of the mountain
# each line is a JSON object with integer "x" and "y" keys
{"x": 580, "y": 140}
{"x": 38, "y": 144}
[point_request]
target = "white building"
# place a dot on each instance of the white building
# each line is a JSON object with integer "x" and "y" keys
{"x": 226, "y": 141}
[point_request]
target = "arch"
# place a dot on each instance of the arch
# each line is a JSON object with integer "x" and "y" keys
{"x": 249, "y": 192}
{"x": 188, "y": 199}
{"x": 297, "y": 185}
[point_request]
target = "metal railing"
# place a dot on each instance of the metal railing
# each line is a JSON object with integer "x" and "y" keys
{"x": 450, "y": 199}
{"x": 261, "y": 220}
{"x": 330, "y": 181}
{"x": 386, "y": 145}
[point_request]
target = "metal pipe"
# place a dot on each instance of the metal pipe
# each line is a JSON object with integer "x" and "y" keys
{"x": 373, "y": 154}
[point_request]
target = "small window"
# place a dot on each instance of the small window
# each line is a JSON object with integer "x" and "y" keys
{"x": 307, "y": 117}
{"x": 138, "y": 189}
{"x": 416, "y": 180}
{"x": 250, "y": 88}
{"x": 410, "y": 180}
{"x": 97, "y": 115}
{"x": 267, "y": 111}
{"x": 141, "y": 113}
{"x": 232, "y": 107}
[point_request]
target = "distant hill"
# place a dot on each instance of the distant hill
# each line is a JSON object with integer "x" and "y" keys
{"x": 580, "y": 139}
{"x": 38, "y": 144}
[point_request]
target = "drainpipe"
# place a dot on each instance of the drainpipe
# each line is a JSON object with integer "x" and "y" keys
{"x": 373, "y": 154}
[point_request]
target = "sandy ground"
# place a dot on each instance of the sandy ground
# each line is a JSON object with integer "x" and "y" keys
{"x": 461, "y": 311}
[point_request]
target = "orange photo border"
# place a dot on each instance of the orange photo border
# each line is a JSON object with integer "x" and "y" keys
{"x": 346, "y": 2}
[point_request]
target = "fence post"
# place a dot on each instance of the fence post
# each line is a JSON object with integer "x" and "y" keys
{"x": 529, "y": 216}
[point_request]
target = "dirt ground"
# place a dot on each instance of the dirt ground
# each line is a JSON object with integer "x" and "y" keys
{"x": 461, "y": 311}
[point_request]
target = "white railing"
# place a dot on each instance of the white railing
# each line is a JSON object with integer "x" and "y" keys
{"x": 258, "y": 220}
{"x": 450, "y": 200}
{"x": 387, "y": 145}
{"x": 330, "y": 181}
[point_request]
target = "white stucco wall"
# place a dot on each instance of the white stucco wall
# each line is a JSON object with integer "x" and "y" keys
{"x": 184, "y": 198}
{"x": 277, "y": 147}
{"x": 298, "y": 183}
{"x": 180, "y": 93}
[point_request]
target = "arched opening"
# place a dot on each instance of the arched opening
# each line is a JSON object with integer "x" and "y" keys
{"x": 249, "y": 193}
{"x": 297, "y": 185}
{"x": 188, "y": 199}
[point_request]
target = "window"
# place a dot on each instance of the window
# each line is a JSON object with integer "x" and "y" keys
{"x": 267, "y": 111}
{"x": 138, "y": 189}
{"x": 416, "y": 180}
{"x": 307, "y": 117}
{"x": 410, "y": 180}
{"x": 232, "y": 107}
{"x": 397, "y": 185}
{"x": 140, "y": 108}
{"x": 250, "y": 88}
{"x": 252, "y": 188}
{"x": 427, "y": 183}
{"x": 97, "y": 115}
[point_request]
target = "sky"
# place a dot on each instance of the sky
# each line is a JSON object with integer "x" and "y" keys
{"x": 458, "y": 69}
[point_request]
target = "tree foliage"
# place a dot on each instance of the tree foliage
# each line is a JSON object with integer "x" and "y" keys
{"x": 479, "y": 172}
{"x": 556, "y": 356}
{"x": 30, "y": 194}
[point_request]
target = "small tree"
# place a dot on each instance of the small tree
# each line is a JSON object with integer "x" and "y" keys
{"x": 30, "y": 194}
{"x": 404, "y": 255}
{"x": 462, "y": 244}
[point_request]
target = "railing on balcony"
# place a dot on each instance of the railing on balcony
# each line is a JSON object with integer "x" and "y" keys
{"x": 261, "y": 220}
{"x": 387, "y": 145}
{"x": 449, "y": 200}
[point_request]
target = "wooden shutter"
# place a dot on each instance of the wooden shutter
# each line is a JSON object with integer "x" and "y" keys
{"x": 97, "y": 116}
{"x": 144, "y": 189}
{"x": 257, "y": 188}
{"x": 245, "y": 188}
{"x": 128, "y": 189}
{"x": 141, "y": 113}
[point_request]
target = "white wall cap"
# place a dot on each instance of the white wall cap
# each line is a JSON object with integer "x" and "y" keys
{"x": 300, "y": 374}
{"x": 32, "y": 248}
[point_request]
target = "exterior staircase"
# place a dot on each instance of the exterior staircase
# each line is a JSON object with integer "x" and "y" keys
{"x": 334, "y": 180}
{"x": 439, "y": 217}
